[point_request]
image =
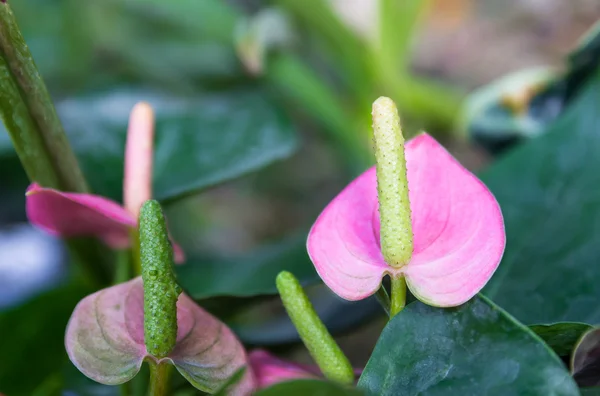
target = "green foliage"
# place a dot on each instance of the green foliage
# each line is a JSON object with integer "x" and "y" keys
{"x": 547, "y": 189}
{"x": 308, "y": 387}
{"x": 249, "y": 275}
{"x": 561, "y": 337}
{"x": 34, "y": 332}
{"x": 473, "y": 349}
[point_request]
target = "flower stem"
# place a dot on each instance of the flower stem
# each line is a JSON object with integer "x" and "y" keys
{"x": 398, "y": 300}
{"x": 384, "y": 299}
{"x": 159, "y": 378}
{"x": 123, "y": 268}
{"x": 40, "y": 138}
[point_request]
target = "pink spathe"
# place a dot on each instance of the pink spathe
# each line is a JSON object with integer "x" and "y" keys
{"x": 269, "y": 370}
{"x": 457, "y": 225}
{"x": 105, "y": 340}
{"x": 72, "y": 214}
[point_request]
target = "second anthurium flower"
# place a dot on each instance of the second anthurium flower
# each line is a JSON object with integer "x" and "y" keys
{"x": 72, "y": 214}
{"x": 418, "y": 216}
{"x": 113, "y": 331}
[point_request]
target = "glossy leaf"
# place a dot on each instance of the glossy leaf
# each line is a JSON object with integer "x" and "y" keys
{"x": 547, "y": 189}
{"x": 585, "y": 363}
{"x": 200, "y": 141}
{"x": 35, "y": 329}
{"x": 308, "y": 387}
{"x": 561, "y": 337}
{"x": 248, "y": 275}
{"x": 474, "y": 349}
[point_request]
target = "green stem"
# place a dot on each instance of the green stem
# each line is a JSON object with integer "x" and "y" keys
{"x": 125, "y": 389}
{"x": 123, "y": 268}
{"x": 34, "y": 98}
{"x": 302, "y": 86}
{"x": 38, "y": 136}
{"x": 398, "y": 298}
{"x": 136, "y": 260}
{"x": 92, "y": 257}
{"x": 159, "y": 378}
{"x": 384, "y": 299}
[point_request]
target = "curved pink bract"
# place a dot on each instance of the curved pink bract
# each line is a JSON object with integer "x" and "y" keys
{"x": 269, "y": 370}
{"x": 73, "y": 214}
{"x": 457, "y": 225}
{"x": 105, "y": 340}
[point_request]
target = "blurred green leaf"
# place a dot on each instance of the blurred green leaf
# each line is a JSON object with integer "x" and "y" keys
{"x": 272, "y": 326}
{"x": 32, "y": 339}
{"x": 548, "y": 191}
{"x": 542, "y": 95}
{"x": 248, "y": 275}
{"x": 474, "y": 349}
{"x": 585, "y": 363}
{"x": 495, "y": 126}
{"x": 201, "y": 141}
{"x": 398, "y": 22}
{"x": 592, "y": 391}
{"x": 561, "y": 337}
{"x": 340, "y": 42}
{"x": 308, "y": 387}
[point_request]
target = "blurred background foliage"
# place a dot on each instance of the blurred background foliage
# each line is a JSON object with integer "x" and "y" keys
{"x": 263, "y": 115}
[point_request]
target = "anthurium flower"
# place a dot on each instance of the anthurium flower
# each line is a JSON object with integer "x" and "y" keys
{"x": 105, "y": 341}
{"x": 72, "y": 214}
{"x": 457, "y": 232}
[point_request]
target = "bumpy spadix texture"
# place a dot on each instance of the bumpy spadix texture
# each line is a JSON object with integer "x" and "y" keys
{"x": 320, "y": 344}
{"x": 457, "y": 225}
{"x": 160, "y": 287}
{"x": 392, "y": 187}
{"x": 105, "y": 340}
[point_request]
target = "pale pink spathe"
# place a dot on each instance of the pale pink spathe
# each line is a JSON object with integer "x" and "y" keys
{"x": 269, "y": 370}
{"x": 73, "y": 214}
{"x": 105, "y": 340}
{"x": 457, "y": 224}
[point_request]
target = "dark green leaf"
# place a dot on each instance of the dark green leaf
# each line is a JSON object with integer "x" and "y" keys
{"x": 474, "y": 349}
{"x": 200, "y": 141}
{"x": 547, "y": 93}
{"x": 585, "y": 364}
{"x": 592, "y": 391}
{"x": 308, "y": 387}
{"x": 32, "y": 339}
{"x": 548, "y": 192}
{"x": 249, "y": 275}
{"x": 273, "y": 326}
{"x": 561, "y": 337}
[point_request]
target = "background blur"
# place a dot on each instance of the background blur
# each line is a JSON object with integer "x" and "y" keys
{"x": 289, "y": 83}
